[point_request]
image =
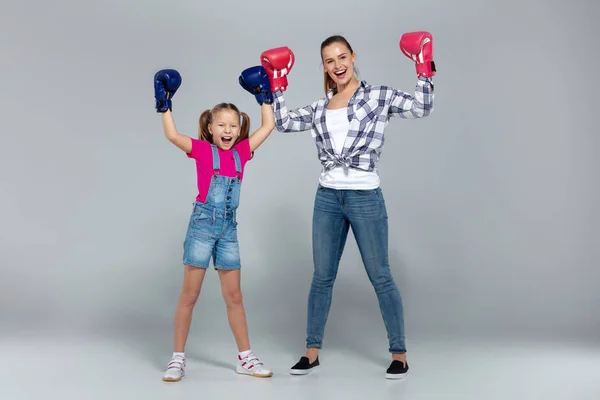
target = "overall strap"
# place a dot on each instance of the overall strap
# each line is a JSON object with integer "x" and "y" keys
{"x": 238, "y": 163}
{"x": 215, "y": 157}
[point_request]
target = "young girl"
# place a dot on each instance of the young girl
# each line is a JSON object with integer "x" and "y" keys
{"x": 221, "y": 151}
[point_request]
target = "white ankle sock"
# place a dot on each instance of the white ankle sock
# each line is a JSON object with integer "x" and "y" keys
{"x": 244, "y": 354}
{"x": 180, "y": 355}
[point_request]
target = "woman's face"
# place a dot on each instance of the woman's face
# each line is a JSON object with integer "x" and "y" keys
{"x": 338, "y": 61}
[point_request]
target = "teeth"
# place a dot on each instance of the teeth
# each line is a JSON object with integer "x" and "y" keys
{"x": 340, "y": 72}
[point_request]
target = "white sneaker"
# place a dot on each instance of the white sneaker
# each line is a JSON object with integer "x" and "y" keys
{"x": 175, "y": 370}
{"x": 251, "y": 365}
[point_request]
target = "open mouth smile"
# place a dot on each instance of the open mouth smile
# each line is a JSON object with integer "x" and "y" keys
{"x": 340, "y": 74}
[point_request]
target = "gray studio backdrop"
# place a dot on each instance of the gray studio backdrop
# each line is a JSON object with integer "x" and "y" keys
{"x": 493, "y": 229}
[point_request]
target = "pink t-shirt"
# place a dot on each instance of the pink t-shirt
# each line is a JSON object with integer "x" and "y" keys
{"x": 202, "y": 154}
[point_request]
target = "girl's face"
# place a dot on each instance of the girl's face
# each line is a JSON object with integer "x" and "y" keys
{"x": 338, "y": 61}
{"x": 225, "y": 129}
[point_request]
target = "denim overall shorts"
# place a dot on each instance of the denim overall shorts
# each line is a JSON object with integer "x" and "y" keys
{"x": 212, "y": 229}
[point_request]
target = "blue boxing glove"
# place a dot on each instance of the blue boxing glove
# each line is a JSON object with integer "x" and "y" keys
{"x": 166, "y": 83}
{"x": 256, "y": 81}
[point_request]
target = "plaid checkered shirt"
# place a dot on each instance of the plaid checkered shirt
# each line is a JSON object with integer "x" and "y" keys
{"x": 369, "y": 112}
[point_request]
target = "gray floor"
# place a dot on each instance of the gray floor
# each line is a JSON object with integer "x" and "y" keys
{"x": 77, "y": 366}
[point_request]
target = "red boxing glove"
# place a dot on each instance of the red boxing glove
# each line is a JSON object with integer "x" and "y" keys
{"x": 278, "y": 63}
{"x": 418, "y": 46}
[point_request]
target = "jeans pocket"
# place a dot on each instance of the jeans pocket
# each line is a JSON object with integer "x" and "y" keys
{"x": 201, "y": 218}
{"x": 201, "y": 226}
{"x": 366, "y": 192}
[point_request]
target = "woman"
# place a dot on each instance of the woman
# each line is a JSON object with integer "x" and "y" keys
{"x": 348, "y": 128}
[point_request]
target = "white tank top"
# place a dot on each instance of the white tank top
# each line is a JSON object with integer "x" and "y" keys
{"x": 342, "y": 177}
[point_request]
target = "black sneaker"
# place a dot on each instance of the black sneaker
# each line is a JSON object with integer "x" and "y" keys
{"x": 396, "y": 370}
{"x": 304, "y": 367}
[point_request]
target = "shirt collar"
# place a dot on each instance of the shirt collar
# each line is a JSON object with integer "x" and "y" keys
{"x": 361, "y": 86}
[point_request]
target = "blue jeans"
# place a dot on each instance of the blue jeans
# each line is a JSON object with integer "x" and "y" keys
{"x": 335, "y": 211}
